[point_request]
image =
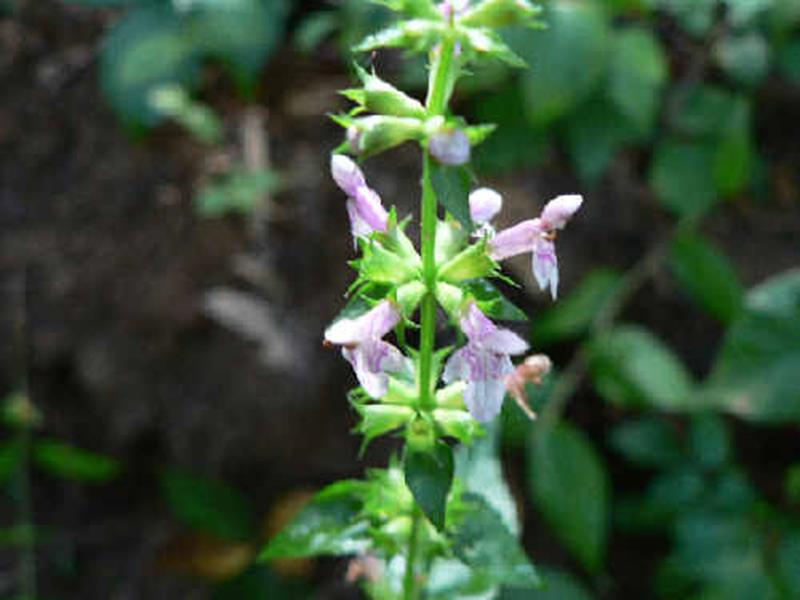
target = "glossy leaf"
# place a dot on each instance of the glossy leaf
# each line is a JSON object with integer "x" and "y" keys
{"x": 631, "y": 367}
{"x": 707, "y": 275}
{"x": 209, "y": 506}
{"x": 571, "y": 488}
{"x": 429, "y": 476}
{"x": 573, "y": 314}
{"x": 329, "y": 525}
{"x": 63, "y": 460}
{"x": 451, "y": 186}
{"x": 483, "y": 542}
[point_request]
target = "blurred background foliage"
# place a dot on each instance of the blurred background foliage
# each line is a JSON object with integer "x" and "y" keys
{"x": 658, "y": 480}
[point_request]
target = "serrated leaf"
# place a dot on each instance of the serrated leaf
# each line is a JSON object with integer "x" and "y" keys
{"x": 571, "y": 488}
{"x": 648, "y": 441}
{"x": 682, "y": 176}
{"x": 429, "y": 476}
{"x": 633, "y": 368}
{"x": 64, "y": 460}
{"x": 209, "y": 506}
{"x": 484, "y": 543}
{"x": 451, "y": 186}
{"x": 329, "y": 525}
{"x": 707, "y": 275}
{"x": 574, "y": 313}
{"x": 567, "y": 60}
{"x": 637, "y": 76}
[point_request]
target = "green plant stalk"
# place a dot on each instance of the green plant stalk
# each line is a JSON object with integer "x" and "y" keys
{"x": 436, "y": 105}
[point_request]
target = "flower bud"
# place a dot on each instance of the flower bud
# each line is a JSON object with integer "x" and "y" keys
{"x": 346, "y": 174}
{"x": 409, "y": 295}
{"x": 450, "y": 297}
{"x": 376, "y": 133}
{"x": 471, "y": 263}
{"x": 456, "y": 423}
{"x": 484, "y": 204}
{"x": 450, "y": 147}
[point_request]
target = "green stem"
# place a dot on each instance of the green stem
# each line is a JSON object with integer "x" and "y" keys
{"x": 410, "y": 591}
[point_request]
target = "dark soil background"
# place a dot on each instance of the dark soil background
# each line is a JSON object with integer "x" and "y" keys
{"x": 105, "y": 264}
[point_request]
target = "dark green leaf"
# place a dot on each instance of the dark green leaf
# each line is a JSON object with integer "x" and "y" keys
{"x": 573, "y": 315}
{"x": 632, "y": 367}
{"x": 209, "y": 506}
{"x": 330, "y": 524}
{"x": 789, "y": 61}
{"x": 637, "y": 75}
{"x": 707, "y": 275}
{"x": 648, "y": 441}
{"x": 492, "y": 302}
{"x": 682, "y": 176}
{"x": 792, "y": 484}
{"x": 451, "y": 186}
{"x": 69, "y": 462}
{"x": 483, "y": 542}
{"x": 567, "y": 60}
{"x": 734, "y": 155}
{"x": 788, "y": 562}
{"x": 237, "y": 192}
{"x": 10, "y": 457}
{"x": 703, "y": 110}
{"x": 571, "y": 489}
{"x": 259, "y": 583}
{"x": 429, "y": 475}
{"x": 556, "y": 585}
{"x": 709, "y": 440}
{"x": 148, "y": 48}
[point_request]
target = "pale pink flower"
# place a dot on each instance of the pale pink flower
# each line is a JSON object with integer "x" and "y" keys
{"x": 364, "y": 207}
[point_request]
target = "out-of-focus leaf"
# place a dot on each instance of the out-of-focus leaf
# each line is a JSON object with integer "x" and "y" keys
{"x": 571, "y": 488}
{"x": 788, "y": 561}
{"x": 595, "y": 131}
{"x": 755, "y": 373}
{"x": 208, "y": 506}
{"x": 106, "y": 3}
{"x": 702, "y": 110}
{"x": 174, "y": 102}
{"x": 789, "y": 61}
{"x": 330, "y": 524}
{"x": 238, "y": 192}
{"x": 147, "y": 49}
{"x": 67, "y": 461}
{"x": 556, "y": 585}
{"x": 682, "y": 176}
{"x": 632, "y": 367}
{"x": 695, "y": 17}
{"x": 572, "y": 315}
{"x": 429, "y": 475}
{"x": 709, "y": 440}
{"x": 10, "y": 457}
{"x": 483, "y": 542}
{"x": 478, "y": 467}
{"x": 734, "y": 155}
{"x": 707, "y": 275}
{"x": 648, "y": 441}
{"x": 451, "y": 185}
{"x": 314, "y": 28}
{"x": 241, "y": 34}
{"x": 258, "y": 583}
{"x": 744, "y": 57}
{"x": 567, "y": 60}
{"x": 637, "y": 75}
{"x": 793, "y": 484}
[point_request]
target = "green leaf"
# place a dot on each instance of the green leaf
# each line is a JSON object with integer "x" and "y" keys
{"x": 743, "y": 57}
{"x": 573, "y": 314}
{"x": 648, "y": 441}
{"x": 237, "y": 192}
{"x": 330, "y": 525}
{"x": 571, "y": 489}
{"x": 241, "y": 34}
{"x": 379, "y": 419}
{"x": 792, "y": 483}
{"x": 709, "y": 440}
{"x": 557, "y": 585}
{"x": 703, "y": 110}
{"x": 451, "y": 186}
{"x": 755, "y": 373}
{"x": 695, "y": 17}
{"x": 174, "y": 102}
{"x": 707, "y": 275}
{"x": 637, "y": 76}
{"x": 788, "y": 559}
{"x": 682, "y": 176}
{"x": 567, "y": 60}
{"x": 379, "y": 265}
{"x": 63, "y": 460}
{"x": 147, "y": 49}
{"x": 471, "y": 263}
{"x": 631, "y": 367}
{"x": 429, "y": 475}
{"x": 209, "y": 506}
{"x": 734, "y": 156}
{"x": 105, "y": 3}
{"x": 413, "y": 34}
{"x": 595, "y": 132}
{"x": 484, "y": 543}
{"x": 789, "y": 61}
{"x": 10, "y": 458}
{"x": 492, "y": 302}
{"x": 258, "y": 583}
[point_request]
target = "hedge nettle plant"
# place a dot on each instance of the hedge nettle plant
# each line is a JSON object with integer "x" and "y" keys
{"x": 414, "y": 528}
